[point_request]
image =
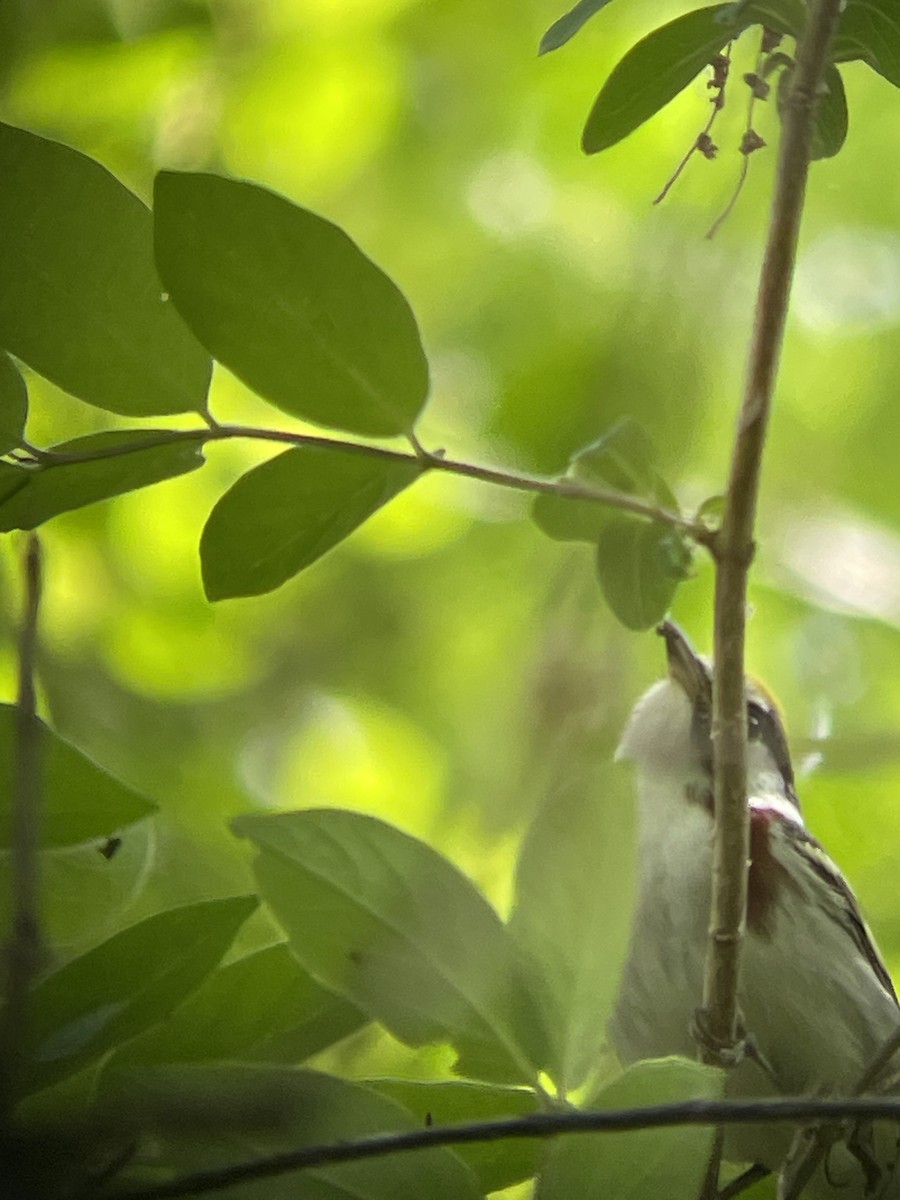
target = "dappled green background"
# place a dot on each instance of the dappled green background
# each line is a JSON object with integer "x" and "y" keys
{"x": 450, "y": 669}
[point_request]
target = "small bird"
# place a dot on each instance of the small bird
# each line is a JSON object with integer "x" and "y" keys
{"x": 815, "y": 998}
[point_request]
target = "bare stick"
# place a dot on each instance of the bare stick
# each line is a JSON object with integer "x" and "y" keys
{"x": 733, "y": 547}
{"x": 24, "y": 952}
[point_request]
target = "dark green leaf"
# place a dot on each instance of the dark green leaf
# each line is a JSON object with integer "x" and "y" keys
{"x": 632, "y": 1166}
{"x": 870, "y": 30}
{"x": 572, "y": 916}
{"x": 640, "y": 564}
{"x": 290, "y": 304}
{"x": 56, "y": 488}
{"x": 80, "y": 800}
{"x": 261, "y": 1007}
{"x": 202, "y": 1117}
{"x": 384, "y": 920}
{"x": 284, "y": 514}
{"x": 80, "y": 300}
{"x": 13, "y": 404}
{"x": 661, "y": 65}
{"x": 830, "y": 130}
{"x": 567, "y": 26}
{"x": 126, "y": 984}
{"x": 497, "y": 1164}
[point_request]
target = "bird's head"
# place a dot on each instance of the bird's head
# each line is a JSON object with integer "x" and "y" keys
{"x": 669, "y": 733}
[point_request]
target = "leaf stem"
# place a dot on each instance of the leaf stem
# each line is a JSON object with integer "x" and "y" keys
{"x": 733, "y": 545}
{"x": 432, "y": 460}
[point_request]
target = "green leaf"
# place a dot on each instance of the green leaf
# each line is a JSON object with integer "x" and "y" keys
{"x": 206, "y": 1117}
{"x": 568, "y": 25}
{"x": 870, "y": 31}
{"x": 383, "y": 919}
{"x": 623, "y": 460}
{"x": 284, "y": 514}
{"x": 80, "y": 300}
{"x": 261, "y": 1007}
{"x": 640, "y": 565}
{"x": 572, "y": 914}
{"x": 832, "y": 120}
{"x": 54, "y": 488}
{"x": 13, "y": 404}
{"x": 632, "y": 1166}
{"x": 497, "y": 1164}
{"x": 126, "y": 984}
{"x": 661, "y": 65}
{"x": 80, "y": 801}
{"x": 290, "y": 304}
{"x": 569, "y": 520}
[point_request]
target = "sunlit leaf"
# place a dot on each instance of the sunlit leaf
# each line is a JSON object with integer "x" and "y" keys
{"x": 386, "y": 921}
{"x": 870, "y": 30}
{"x": 199, "y": 1117}
{"x": 126, "y": 984}
{"x": 56, "y": 488}
{"x": 261, "y": 1007}
{"x": 13, "y": 404}
{"x": 632, "y": 1166}
{"x": 640, "y": 565}
{"x": 663, "y": 63}
{"x": 79, "y": 800}
{"x": 290, "y": 304}
{"x": 571, "y": 913}
{"x": 284, "y": 514}
{"x": 80, "y": 300}
{"x": 497, "y": 1164}
{"x": 569, "y": 24}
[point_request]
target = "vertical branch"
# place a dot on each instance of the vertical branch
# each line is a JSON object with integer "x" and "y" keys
{"x": 733, "y": 547}
{"x": 24, "y": 952}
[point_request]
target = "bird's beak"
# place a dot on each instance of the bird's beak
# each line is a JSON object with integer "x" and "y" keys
{"x": 686, "y": 667}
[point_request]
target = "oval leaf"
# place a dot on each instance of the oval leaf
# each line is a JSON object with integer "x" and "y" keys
{"x": 661, "y": 65}
{"x": 260, "y": 1007}
{"x": 832, "y": 118}
{"x": 566, "y": 519}
{"x": 199, "y": 1118}
{"x": 126, "y": 984}
{"x": 80, "y": 300}
{"x": 640, "y": 565}
{"x": 632, "y": 1166}
{"x": 80, "y": 801}
{"x": 571, "y": 914}
{"x": 290, "y": 304}
{"x": 13, "y": 404}
{"x": 568, "y": 25}
{"x": 130, "y": 459}
{"x": 381, "y": 918}
{"x": 284, "y": 514}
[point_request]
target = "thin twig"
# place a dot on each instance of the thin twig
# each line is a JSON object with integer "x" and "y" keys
{"x": 24, "y": 953}
{"x": 733, "y": 547}
{"x": 535, "y": 1125}
{"x": 430, "y": 460}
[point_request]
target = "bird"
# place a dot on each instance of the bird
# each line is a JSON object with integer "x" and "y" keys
{"x": 815, "y": 997}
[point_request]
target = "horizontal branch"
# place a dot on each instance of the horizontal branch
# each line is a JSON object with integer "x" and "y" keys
{"x": 572, "y": 489}
{"x": 687, "y": 1112}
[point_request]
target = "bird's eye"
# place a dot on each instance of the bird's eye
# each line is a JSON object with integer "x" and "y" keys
{"x": 754, "y": 722}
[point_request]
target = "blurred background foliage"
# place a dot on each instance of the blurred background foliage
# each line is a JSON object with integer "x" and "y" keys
{"x": 449, "y": 669}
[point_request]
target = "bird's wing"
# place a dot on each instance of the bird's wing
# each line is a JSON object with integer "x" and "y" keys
{"x": 834, "y": 894}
